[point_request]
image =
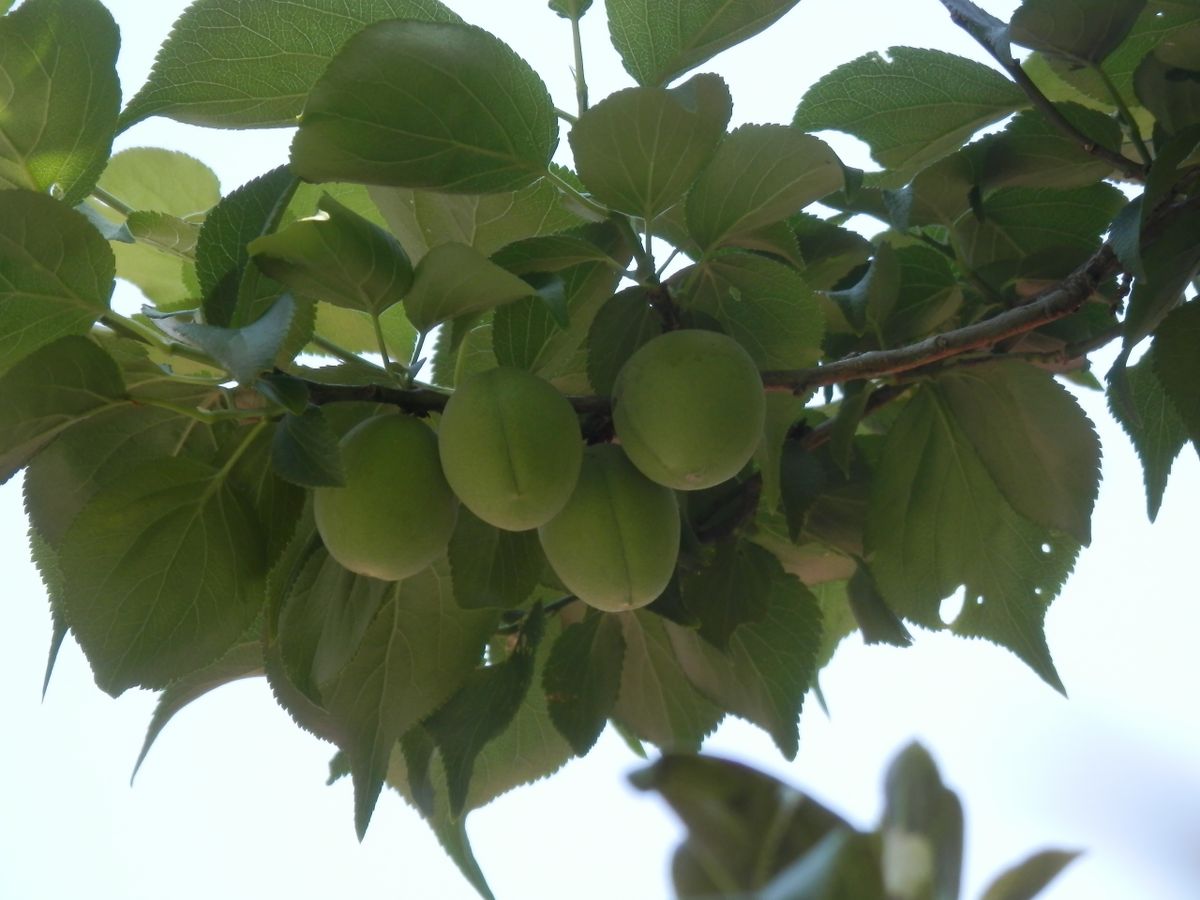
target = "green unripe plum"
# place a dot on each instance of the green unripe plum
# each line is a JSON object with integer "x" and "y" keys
{"x": 615, "y": 543}
{"x": 510, "y": 448}
{"x": 688, "y": 407}
{"x": 395, "y": 513}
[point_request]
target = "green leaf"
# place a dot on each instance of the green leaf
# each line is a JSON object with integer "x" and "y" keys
{"x": 453, "y": 280}
{"x": 770, "y": 663}
{"x": 49, "y": 391}
{"x": 912, "y": 108}
{"x": 930, "y": 294}
{"x": 240, "y": 64}
{"x": 252, "y": 210}
{"x": 582, "y": 679}
{"x": 623, "y": 324}
{"x": 829, "y": 252}
{"x": 570, "y": 9}
{"x": 56, "y": 274}
{"x": 872, "y": 615}
{"x": 846, "y": 863}
{"x": 656, "y": 700}
{"x": 784, "y": 410}
{"x": 760, "y": 174}
{"x": 1039, "y": 447}
{"x": 242, "y": 352}
{"x": 492, "y": 568}
{"x": 1153, "y": 425}
{"x": 742, "y": 822}
{"x": 417, "y": 651}
{"x": 483, "y": 708}
{"x": 89, "y": 454}
{"x": 46, "y": 561}
{"x": 304, "y": 450}
{"x": 937, "y": 521}
{"x": 1171, "y": 261}
{"x": 486, "y": 222}
{"x": 60, "y": 95}
{"x": 1159, "y": 23}
{"x": 163, "y": 570}
{"x": 662, "y": 39}
{"x": 550, "y": 253}
{"x": 922, "y": 829}
{"x": 322, "y": 621}
{"x": 1020, "y": 223}
{"x": 1171, "y": 93}
{"x": 339, "y": 257}
{"x": 1083, "y": 31}
{"x": 640, "y": 149}
{"x": 241, "y": 661}
{"x": 368, "y": 118}
{"x": 1178, "y": 365}
{"x": 277, "y": 505}
{"x": 731, "y": 590}
{"x": 1026, "y": 880}
{"x": 869, "y": 303}
{"x": 765, "y": 306}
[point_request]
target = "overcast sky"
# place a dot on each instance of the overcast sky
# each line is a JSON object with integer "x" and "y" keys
{"x": 231, "y": 801}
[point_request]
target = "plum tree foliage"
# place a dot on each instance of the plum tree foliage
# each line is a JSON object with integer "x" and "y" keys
{"x": 221, "y": 485}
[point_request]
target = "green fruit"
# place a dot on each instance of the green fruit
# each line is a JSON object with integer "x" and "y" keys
{"x": 615, "y": 543}
{"x": 510, "y": 448}
{"x": 395, "y": 513}
{"x": 688, "y": 407}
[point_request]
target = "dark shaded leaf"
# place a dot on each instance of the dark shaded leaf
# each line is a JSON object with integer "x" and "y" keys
{"x": 1153, "y": 425}
{"x": 1084, "y": 31}
{"x": 482, "y": 709}
{"x": 922, "y": 828}
{"x": 876, "y": 621}
{"x": 304, "y": 450}
{"x": 1177, "y": 364}
{"x": 492, "y": 568}
{"x": 623, "y": 324}
{"x": 769, "y": 664}
{"x": 744, "y": 823}
{"x": 1026, "y": 880}
{"x": 582, "y": 678}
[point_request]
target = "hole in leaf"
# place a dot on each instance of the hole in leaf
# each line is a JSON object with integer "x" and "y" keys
{"x": 952, "y": 606}
{"x": 1046, "y": 548}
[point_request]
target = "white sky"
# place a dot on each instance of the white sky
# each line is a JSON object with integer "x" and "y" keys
{"x": 231, "y": 801}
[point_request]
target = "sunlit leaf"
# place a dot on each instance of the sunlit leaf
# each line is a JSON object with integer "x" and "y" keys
{"x": 163, "y": 570}
{"x": 59, "y": 94}
{"x": 368, "y": 118}
{"x": 56, "y": 274}
{"x": 660, "y": 40}
{"x": 251, "y": 63}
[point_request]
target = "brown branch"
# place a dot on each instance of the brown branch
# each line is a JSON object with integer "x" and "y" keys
{"x": 1056, "y": 303}
{"x": 420, "y": 400}
{"x": 991, "y": 34}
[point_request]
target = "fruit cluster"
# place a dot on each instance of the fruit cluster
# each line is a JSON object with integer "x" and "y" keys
{"x": 688, "y": 413}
